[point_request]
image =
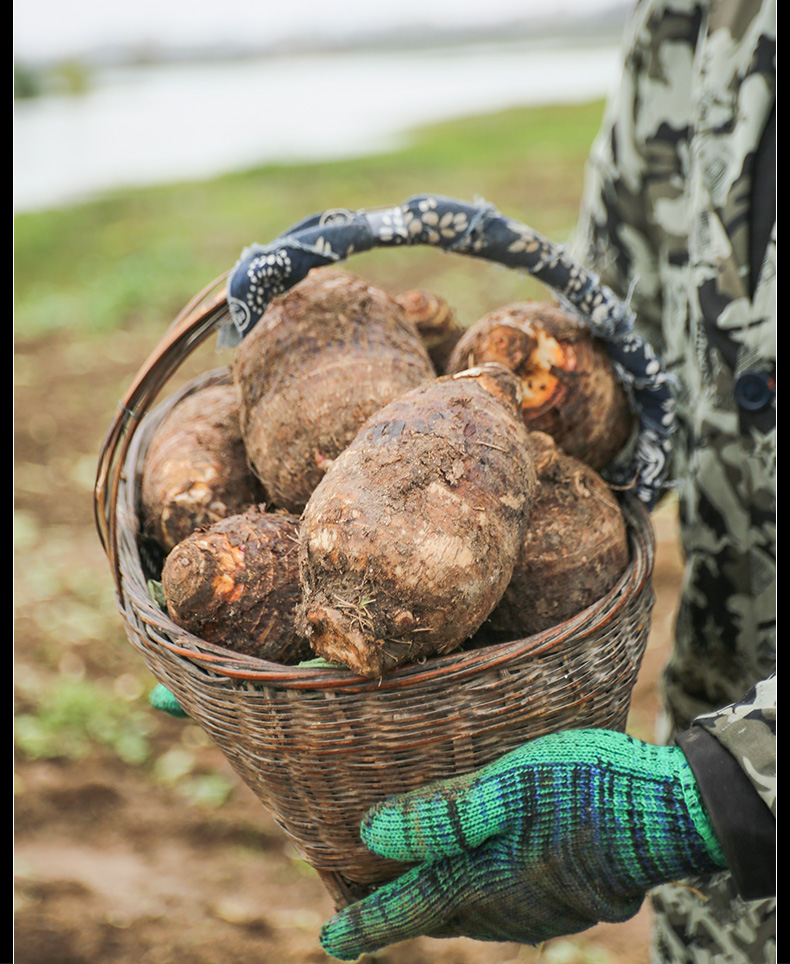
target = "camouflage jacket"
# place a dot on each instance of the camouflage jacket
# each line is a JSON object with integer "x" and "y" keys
{"x": 679, "y": 216}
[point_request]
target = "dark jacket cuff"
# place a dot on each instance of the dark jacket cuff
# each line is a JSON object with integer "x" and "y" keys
{"x": 743, "y": 824}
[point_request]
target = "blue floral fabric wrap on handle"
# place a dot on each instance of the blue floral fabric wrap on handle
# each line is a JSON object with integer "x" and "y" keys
{"x": 479, "y": 230}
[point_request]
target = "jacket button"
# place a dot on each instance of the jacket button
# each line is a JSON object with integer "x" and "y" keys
{"x": 754, "y": 390}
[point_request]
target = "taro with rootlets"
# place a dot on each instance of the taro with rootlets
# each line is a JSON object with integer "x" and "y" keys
{"x": 410, "y": 539}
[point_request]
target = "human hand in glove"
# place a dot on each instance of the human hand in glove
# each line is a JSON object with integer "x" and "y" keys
{"x": 568, "y": 830}
{"x": 160, "y": 698}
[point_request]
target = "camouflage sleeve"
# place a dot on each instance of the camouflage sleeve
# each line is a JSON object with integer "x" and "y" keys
{"x": 732, "y": 753}
{"x": 673, "y": 216}
{"x": 631, "y": 226}
{"x": 747, "y": 729}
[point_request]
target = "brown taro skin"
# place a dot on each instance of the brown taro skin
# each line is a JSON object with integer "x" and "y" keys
{"x": 410, "y": 539}
{"x": 323, "y": 357}
{"x": 575, "y": 548}
{"x": 436, "y": 321}
{"x": 236, "y": 584}
{"x": 569, "y": 389}
{"x": 195, "y": 470}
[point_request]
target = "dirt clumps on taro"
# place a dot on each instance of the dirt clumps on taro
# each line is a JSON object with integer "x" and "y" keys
{"x": 324, "y": 357}
{"x": 236, "y": 584}
{"x": 196, "y": 470}
{"x": 574, "y": 549}
{"x": 410, "y": 539}
{"x": 569, "y": 389}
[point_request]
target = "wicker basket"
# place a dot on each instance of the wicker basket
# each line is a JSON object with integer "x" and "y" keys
{"x": 318, "y": 746}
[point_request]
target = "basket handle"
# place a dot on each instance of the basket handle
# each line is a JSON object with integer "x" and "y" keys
{"x": 479, "y": 230}
{"x": 476, "y": 229}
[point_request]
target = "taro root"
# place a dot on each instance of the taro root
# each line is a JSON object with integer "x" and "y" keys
{"x": 323, "y": 357}
{"x": 574, "y": 550}
{"x": 436, "y": 322}
{"x": 196, "y": 470}
{"x": 410, "y": 539}
{"x": 236, "y": 584}
{"x": 569, "y": 389}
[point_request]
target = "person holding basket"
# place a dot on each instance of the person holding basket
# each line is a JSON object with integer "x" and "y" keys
{"x": 574, "y": 828}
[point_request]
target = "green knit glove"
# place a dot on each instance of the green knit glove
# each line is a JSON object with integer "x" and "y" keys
{"x": 566, "y": 831}
{"x": 160, "y": 698}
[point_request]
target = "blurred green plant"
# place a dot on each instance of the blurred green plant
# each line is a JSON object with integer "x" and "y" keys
{"x": 28, "y": 82}
{"x": 178, "y": 768}
{"x": 69, "y": 77}
{"x": 574, "y": 951}
{"x": 72, "y": 717}
{"x": 207, "y": 790}
{"x": 72, "y": 77}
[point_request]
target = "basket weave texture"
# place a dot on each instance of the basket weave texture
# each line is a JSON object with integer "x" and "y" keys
{"x": 319, "y": 746}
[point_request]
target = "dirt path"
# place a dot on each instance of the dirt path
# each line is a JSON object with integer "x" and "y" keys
{"x": 130, "y": 858}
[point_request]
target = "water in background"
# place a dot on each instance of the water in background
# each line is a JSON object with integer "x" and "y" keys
{"x": 166, "y": 123}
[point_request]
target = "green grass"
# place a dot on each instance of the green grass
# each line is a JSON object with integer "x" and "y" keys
{"x": 71, "y": 717}
{"x": 134, "y": 257}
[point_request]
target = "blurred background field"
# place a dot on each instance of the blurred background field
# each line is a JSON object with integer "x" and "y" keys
{"x": 134, "y": 841}
{"x": 134, "y": 257}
